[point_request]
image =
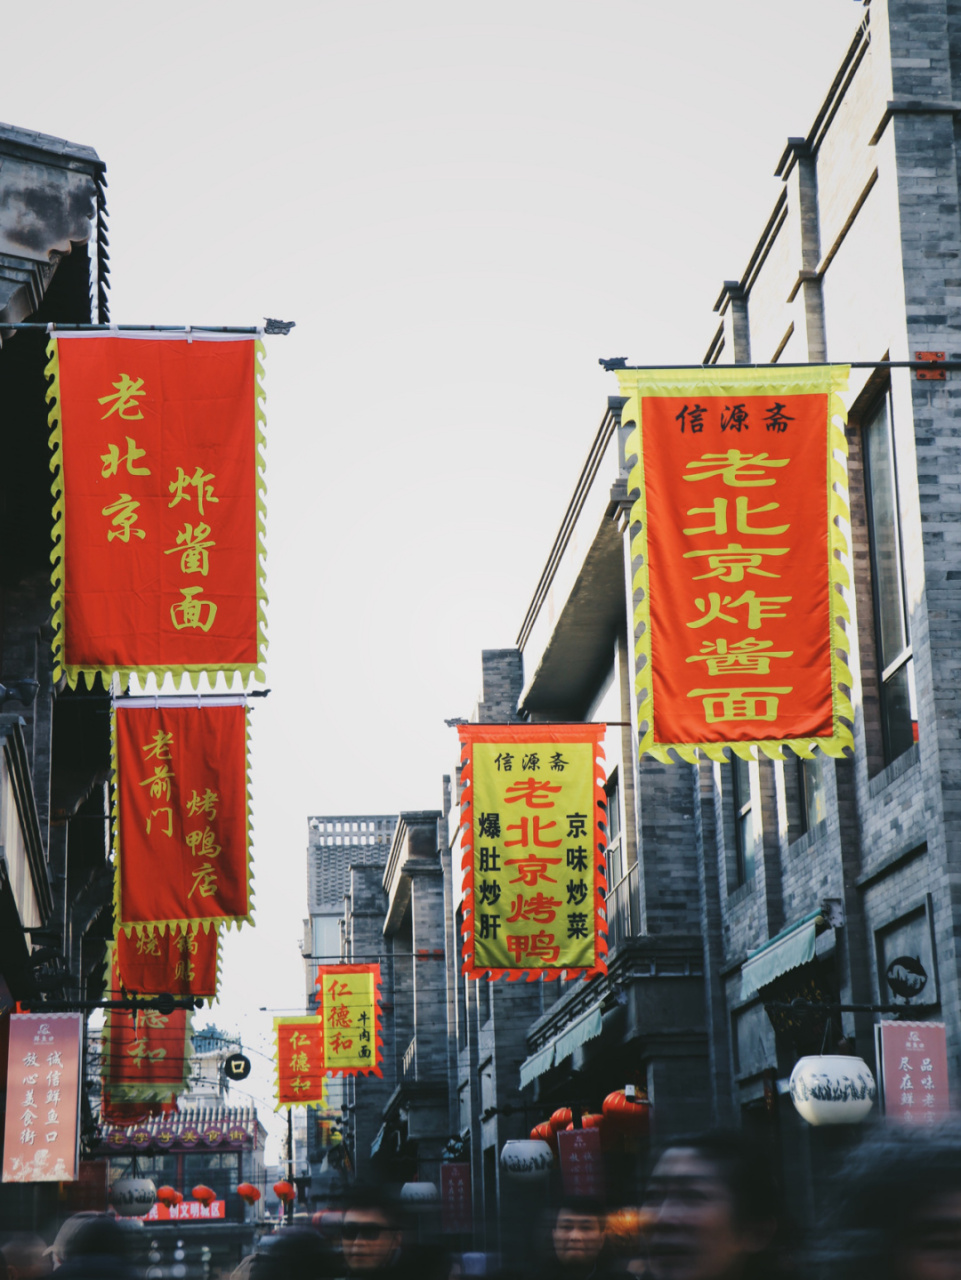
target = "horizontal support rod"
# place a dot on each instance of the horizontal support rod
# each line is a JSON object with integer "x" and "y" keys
{"x": 271, "y": 327}
{"x": 616, "y": 364}
{"x": 817, "y": 1006}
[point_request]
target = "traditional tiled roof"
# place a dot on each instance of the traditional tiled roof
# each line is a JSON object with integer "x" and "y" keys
{"x": 193, "y": 1128}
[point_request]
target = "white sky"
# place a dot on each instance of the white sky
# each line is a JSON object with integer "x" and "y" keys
{"x": 462, "y": 207}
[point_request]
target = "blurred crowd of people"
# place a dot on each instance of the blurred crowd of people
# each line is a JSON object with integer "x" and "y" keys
{"x": 711, "y": 1210}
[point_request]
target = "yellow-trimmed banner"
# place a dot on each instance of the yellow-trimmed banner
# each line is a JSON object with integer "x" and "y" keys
{"x": 740, "y": 554}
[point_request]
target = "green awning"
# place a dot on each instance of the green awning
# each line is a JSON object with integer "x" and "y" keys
{"x": 536, "y": 1065}
{"x": 375, "y": 1145}
{"x": 586, "y": 1028}
{"x": 792, "y": 947}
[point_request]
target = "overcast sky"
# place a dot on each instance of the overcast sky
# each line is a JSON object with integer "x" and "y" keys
{"x": 462, "y": 206}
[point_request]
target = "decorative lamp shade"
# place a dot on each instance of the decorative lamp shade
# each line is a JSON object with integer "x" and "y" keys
{"x": 832, "y": 1089}
{"x": 180, "y": 1198}
{"x": 526, "y": 1159}
{"x": 168, "y": 1196}
{"x": 133, "y": 1197}
{"x": 284, "y": 1191}
{"x": 419, "y": 1195}
{"x": 206, "y": 1195}
{"x": 631, "y": 1115}
{"x": 248, "y": 1192}
{"x": 560, "y": 1119}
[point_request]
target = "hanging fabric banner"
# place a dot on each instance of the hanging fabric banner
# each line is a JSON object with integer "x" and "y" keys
{"x": 158, "y": 512}
{"x": 300, "y": 1062}
{"x": 42, "y": 1118}
{"x": 182, "y": 815}
{"x": 738, "y": 545}
{"x": 533, "y": 821}
{"x": 145, "y": 1053}
{"x": 178, "y": 962}
{"x": 349, "y": 1009}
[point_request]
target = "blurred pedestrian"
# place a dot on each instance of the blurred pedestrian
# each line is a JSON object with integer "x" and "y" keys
{"x": 712, "y": 1212}
{"x": 373, "y": 1243}
{"x": 292, "y": 1253}
{"x": 95, "y": 1248}
{"x": 576, "y": 1243}
{"x": 899, "y": 1208}
{"x": 27, "y": 1257}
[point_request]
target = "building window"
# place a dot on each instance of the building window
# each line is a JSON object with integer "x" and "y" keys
{"x": 745, "y": 821}
{"x": 899, "y": 717}
{"x": 811, "y": 792}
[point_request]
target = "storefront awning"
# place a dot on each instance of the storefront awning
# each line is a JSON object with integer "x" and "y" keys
{"x": 378, "y": 1139}
{"x": 536, "y": 1065}
{"x": 791, "y": 948}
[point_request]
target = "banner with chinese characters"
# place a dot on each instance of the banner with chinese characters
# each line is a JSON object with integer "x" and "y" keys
{"x": 146, "y": 1053}
{"x": 158, "y": 512}
{"x": 913, "y": 1060}
{"x": 180, "y": 962}
{"x": 300, "y": 1061}
{"x": 349, "y": 1011}
{"x": 41, "y": 1121}
{"x": 182, "y": 814}
{"x": 533, "y": 820}
{"x": 738, "y": 546}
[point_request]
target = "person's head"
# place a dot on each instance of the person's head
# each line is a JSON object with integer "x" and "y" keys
{"x": 899, "y": 1207}
{"x": 711, "y": 1208}
{"x": 371, "y": 1232}
{"x": 27, "y": 1257}
{"x": 293, "y": 1252}
{"x": 578, "y": 1234}
{"x": 88, "y": 1234}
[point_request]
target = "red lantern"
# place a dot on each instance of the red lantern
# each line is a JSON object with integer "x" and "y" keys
{"x": 248, "y": 1192}
{"x": 179, "y": 1196}
{"x": 630, "y": 1115}
{"x": 167, "y": 1196}
{"x": 284, "y": 1192}
{"x": 588, "y": 1121}
{"x": 544, "y": 1133}
{"x": 205, "y": 1195}
{"x": 560, "y": 1119}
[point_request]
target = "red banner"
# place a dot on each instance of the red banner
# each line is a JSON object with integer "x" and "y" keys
{"x": 41, "y": 1123}
{"x": 349, "y": 1010}
{"x": 914, "y": 1071}
{"x": 737, "y": 540}
{"x": 179, "y": 962}
{"x": 182, "y": 814}
{"x": 158, "y": 518}
{"x": 189, "y": 1211}
{"x": 145, "y": 1052}
{"x": 300, "y": 1061}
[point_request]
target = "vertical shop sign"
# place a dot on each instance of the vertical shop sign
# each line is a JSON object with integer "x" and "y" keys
{"x": 183, "y": 815}
{"x": 158, "y": 514}
{"x": 914, "y": 1071}
{"x": 582, "y": 1171}
{"x": 300, "y": 1061}
{"x": 738, "y": 543}
{"x": 41, "y": 1126}
{"x": 533, "y": 819}
{"x": 455, "y": 1198}
{"x": 145, "y": 1052}
{"x": 349, "y": 1010}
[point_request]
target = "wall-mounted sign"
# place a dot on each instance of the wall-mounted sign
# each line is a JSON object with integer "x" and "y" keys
{"x": 40, "y": 1142}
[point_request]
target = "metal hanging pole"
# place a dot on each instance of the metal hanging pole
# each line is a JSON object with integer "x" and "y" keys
{"x": 272, "y": 327}
{"x": 290, "y": 1164}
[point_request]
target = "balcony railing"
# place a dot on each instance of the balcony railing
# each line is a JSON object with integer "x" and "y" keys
{"x": 410, "y": 1060}
{"x": 623, "y": 910}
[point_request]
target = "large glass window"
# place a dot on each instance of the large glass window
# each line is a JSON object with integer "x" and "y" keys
{"x": 745, "y": 820}
{"x": 899, "y": 718}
